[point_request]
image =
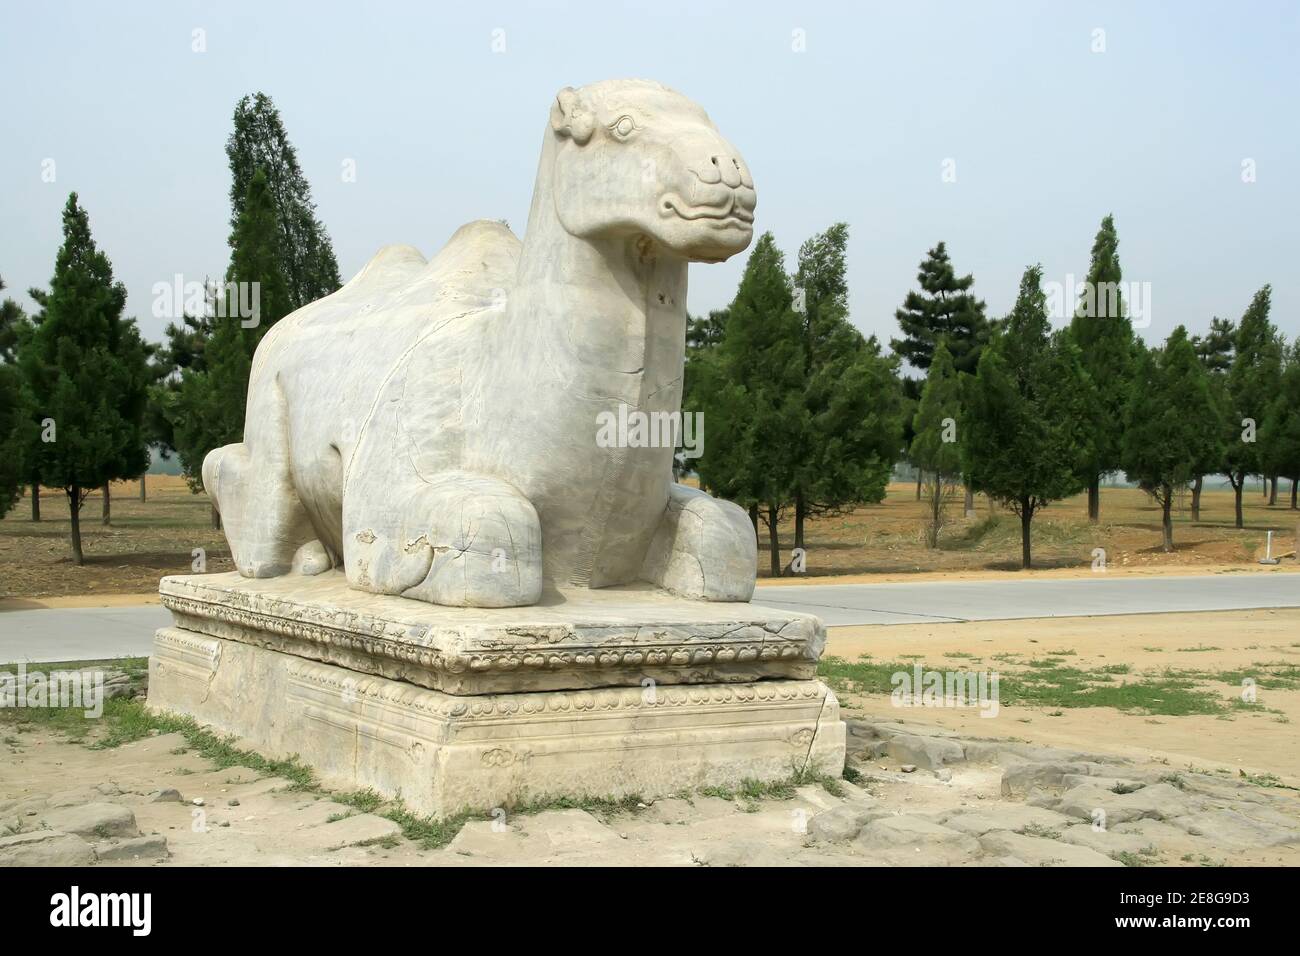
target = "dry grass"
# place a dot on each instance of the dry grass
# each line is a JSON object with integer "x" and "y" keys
{"x": 150, "y": 539}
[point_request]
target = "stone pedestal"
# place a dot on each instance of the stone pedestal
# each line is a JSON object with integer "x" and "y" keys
{"x": 603, "y": 693}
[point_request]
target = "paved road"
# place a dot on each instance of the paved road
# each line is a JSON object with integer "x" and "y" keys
{"x": 64, "y": 634}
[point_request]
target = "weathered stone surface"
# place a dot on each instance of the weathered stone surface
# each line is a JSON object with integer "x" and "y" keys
{"x": 1233, "y": 828}
{"x": 928, "y": 752}
{"x": 1108, "y": 841}
{"x": 1159, "y": 801}
{"x": 93, "y": 820}
{"x": 901, "y": 831}
{"x": 45, "y": 848}
{"x": 443, "y": 753}
{"x": 1037, "y": 851}
{"x": 359, "y": 828}
{"x": 577, "y": 638}
{"x": 166, "y": 795}
{"x": 455, "y": 458}
{"x": 144, "y": 848}
{"x": 843, "y": 822}
{"x": 1007, "y": 816}
{"x": 1022, "y": 779}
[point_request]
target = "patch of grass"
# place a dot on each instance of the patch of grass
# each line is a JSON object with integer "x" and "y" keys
{"x": 1198, "y": 648}
{"x": 1064, "y": 653}
{"x": 336, "y": 817}
{"x": 1123, "y": 788}
{"x": 1038, "y": 830}
{"x": 367, "y": 801}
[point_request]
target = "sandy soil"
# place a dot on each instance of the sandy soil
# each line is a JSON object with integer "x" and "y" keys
{"x": 1258, "y": 741}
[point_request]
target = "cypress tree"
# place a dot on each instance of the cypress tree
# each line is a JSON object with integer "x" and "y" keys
{"x": 259, "y": 141}
{"x": 1252, "y": 383}
{"x": 87, "y": 366}
{"x": 1023, "y": 435}
{"x": 1172, "y": 424}
{"x": 1214, "y": 350}
{"x": 1280, "y": 434}
{"x": 936, "y": 427}
{"x": 1104, "y": 335}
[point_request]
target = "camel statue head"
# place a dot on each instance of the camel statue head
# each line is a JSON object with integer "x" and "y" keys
{"x": 633, "y": 158}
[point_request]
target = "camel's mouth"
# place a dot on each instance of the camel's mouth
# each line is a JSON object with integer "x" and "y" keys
{"x": 731, "y": 213}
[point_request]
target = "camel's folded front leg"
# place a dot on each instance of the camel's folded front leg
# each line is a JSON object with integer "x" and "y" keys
{"x": 704, "y": 549}
{"x": 459, "y": 539}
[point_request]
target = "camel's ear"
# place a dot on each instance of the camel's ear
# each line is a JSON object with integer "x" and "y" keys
{"x": 572, "y": 117}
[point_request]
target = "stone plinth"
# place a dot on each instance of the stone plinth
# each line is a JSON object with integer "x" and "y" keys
{"x": 589, "y": 693}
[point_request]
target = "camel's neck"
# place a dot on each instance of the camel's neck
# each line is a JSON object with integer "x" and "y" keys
{"x": 609, "y": 313}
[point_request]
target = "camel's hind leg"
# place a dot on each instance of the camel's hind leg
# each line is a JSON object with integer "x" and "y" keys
{"x": 265, "y": 522}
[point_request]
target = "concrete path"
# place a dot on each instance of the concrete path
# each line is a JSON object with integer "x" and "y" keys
{"x": 62, "y": 634}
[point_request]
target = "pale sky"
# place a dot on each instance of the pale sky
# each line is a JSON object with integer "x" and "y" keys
{"x": 1044, "y": 134}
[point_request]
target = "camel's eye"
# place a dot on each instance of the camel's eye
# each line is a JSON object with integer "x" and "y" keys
{"x": 624, "y": 127}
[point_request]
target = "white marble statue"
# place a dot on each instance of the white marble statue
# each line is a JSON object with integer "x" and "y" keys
{"x": 432, "y": 426}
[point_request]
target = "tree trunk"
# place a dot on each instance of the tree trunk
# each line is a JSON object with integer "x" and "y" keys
{"x": 74, "y": 509}
{"x": 919, "y": 475}
{"x": 1237, "y": 488}
{"x": 936, "y": 499}
{"x": 1272, "y": 492}
{"x": 143, "y": 494}
{"x": 36, "y": 501}
{"x": 1026, "y": 518}
{"x": 216, "y": 519}
{"x": 1293, "y": 484}
{"x": 1094, "y": 500}
{"x": 773, "y": 541}
{"x": 1196, "y": 497}
{"x": 108, "y": 505}
{"x": 799, "y": 514}
{"x": 753, "y": 519}
{"x": 1167, "y": 522}
{"x": 969, "y": 506}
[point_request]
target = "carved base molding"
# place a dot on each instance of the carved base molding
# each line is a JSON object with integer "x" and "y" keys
{"x": 442, "y": 753}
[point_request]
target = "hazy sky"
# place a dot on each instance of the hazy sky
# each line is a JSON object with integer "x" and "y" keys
{"x": 1045, "y": 135}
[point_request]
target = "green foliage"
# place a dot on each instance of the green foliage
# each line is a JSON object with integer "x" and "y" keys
{"x": 1279, "y": 437}
{"x": 1252, "y": 383}
{"x": 945, "y": 310}
{"x": 940, "y": 401}
{"x": 206, "y": 409}
{"x": 1173, "y": 422}
{"x": 259, "y": 141}
{"x": 1023, "y": 432}
{"x": 1104, "y": 335}
{"x": 86, "y": 368}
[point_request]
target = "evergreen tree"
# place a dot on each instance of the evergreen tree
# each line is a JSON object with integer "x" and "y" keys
{"x": 1252, "y": 383}
{"x": 86, "y": 364}
{"x": 1023, "y": 437}
{"x": 1214, "y": 349}
{"x": 943, "y": 309}
{"x": 852, "y": 401}
{"x": 14, "y": 407}
{"x": 935, "y": 447}
{"x": 1280, "y": 434}
{"x": 12, "y": 320}
{"x": 1172, "y": 424}
{"x": 259, "y": 141}
{"x": 1104, "y": 335}
{"x": 750, "y": 389}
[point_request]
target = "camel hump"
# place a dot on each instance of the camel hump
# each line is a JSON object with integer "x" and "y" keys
{"x": 481, "y": 254}
{"x": 393, "y": 265}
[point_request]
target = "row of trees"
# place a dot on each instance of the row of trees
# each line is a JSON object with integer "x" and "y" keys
{"x": 807, "y": 416}
{"x": 83, "y": 397}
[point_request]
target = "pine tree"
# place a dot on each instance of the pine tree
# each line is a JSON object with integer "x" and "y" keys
{"x": 1252, "y": 383}
{"x": 86, "y": 364}
{"x": 1172, "y": 424}
{"x": 852, "y": 400}
{"x": 14, "y": 408}
{"x": 1104, "y": 335}
{"x": 943, "y": 309}
{"x": 1023, "y": 439}
{"x": 935, "y": 448}
{"x": 750, "y": 389}
{"x": 259, "y": 141}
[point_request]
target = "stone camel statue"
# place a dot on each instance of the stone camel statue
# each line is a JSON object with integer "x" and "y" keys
{"x": 432, "y": 426}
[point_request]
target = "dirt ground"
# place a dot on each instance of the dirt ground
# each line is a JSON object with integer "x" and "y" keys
{"x": 147, "y": 540}
{"x": 1212, "y": 652}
